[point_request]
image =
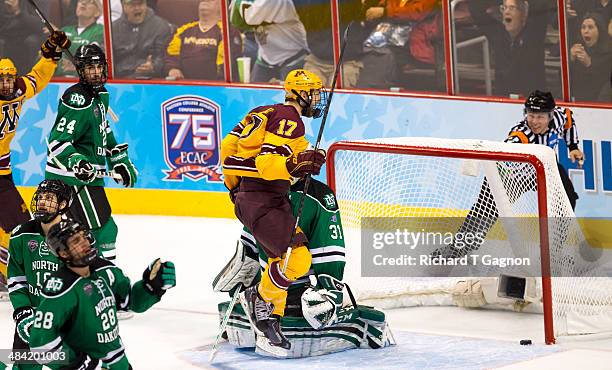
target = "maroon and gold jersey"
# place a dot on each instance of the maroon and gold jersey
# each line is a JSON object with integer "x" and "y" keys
{"x": 25, "y": 88}
{"x": 261, "y": 143}
{"x": 199, "y": 54}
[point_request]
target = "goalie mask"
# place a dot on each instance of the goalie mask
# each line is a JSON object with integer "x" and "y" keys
{"x": 72, "y": 243}
{"x": 51, "y": 199}
{"x": 8, "y": 78}
{"x": 91, "y": 65}
{"x": 306, "y": 89}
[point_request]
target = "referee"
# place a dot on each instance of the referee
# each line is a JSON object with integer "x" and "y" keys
{"x": 545, "y": 123}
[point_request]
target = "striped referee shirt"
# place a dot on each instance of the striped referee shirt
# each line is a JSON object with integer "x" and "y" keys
{"x": 561, "y": 126}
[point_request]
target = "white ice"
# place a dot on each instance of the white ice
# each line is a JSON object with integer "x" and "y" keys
{"x": 177, "y": 333}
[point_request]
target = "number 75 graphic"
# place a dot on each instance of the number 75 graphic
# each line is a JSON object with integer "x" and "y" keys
{"x": 202, "y": 127}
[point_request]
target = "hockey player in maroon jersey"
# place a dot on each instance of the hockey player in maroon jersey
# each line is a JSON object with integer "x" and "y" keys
{"x": 260, "y": 156}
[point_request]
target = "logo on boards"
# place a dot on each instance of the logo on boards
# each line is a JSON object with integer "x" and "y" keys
{"x": 192, "y": 139}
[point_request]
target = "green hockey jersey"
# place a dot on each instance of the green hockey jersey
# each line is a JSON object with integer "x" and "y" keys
{"x": 320, "y": 221}
{"x": 81, "y": 131}
{"x": 79, "y": 314}
{"x": 30, "y": 263}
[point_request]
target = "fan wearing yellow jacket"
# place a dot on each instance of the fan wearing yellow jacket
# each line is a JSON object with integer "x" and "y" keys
{"x": 260, "y": 156}
{"x": 14, "y": 91}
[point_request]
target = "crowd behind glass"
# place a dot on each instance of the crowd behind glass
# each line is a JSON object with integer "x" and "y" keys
{"x": 501, "y": 48}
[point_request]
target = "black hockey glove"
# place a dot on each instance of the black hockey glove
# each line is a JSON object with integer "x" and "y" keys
{"x": 24, "y": 318}
{"x": 83, "y": 362}
{"x": 120, "y": 163}
{"x": 159, "y": 277}
{"x": 308, "y": 162}
{"x": 84, "y": 171}
{"x": 56, "y": 40}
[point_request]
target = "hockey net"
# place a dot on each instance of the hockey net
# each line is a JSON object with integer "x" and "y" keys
{"x": 434, "y": 179}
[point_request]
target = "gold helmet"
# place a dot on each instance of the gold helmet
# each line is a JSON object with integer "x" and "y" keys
{"x": 7, "y": 67}
{"x": 301, "y": 80}
{"x": 8, "y": 75}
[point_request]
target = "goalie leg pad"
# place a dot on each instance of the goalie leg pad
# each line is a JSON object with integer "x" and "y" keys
{"x": 239, "y": 330}
{"x": 241, "y": 269}
{"x": 468, "y": 293}
{"x": 504, "y": 292}
{"x": 363, "y": 327}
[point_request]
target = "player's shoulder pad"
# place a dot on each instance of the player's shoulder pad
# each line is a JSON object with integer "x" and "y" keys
{"x": 100, "y": 264}
{"x": 60, "y": 282}
{"x": 264, "y": 109}
{"x": 77, "y": 96}
{"x": 319, "y": 191}
{"x": 29, "y": 227}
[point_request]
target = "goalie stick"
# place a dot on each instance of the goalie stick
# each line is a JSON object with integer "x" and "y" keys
{"x": 318, "y": 142}
{"x": 226, "y": 317}
{"x": 49, "y": 26}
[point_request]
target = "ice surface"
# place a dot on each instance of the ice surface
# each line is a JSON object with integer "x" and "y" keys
{"x": 176, "y": 333}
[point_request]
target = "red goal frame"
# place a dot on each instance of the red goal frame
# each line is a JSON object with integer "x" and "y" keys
{"x": 359, "y": 146}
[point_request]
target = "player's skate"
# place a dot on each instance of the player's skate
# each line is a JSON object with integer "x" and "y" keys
{"x": 259, "y": 313}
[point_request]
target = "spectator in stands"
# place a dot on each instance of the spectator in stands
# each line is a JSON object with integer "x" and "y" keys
{"x": 576, "y": 10}
{"x": 86, "y": 31}
{"x": 316, "y": 17}
{"x": 196, "y": 50}
{"x": 140, "y": 39}
{"x": 411, "y": 29}
{"x": 591, "y": 61}
{"x": 20, "y": 33}
{"x": 517, "y": 41}
{"x": 281, "y": 37}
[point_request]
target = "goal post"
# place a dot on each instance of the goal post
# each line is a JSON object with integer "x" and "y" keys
{"x": 425, "y": 177}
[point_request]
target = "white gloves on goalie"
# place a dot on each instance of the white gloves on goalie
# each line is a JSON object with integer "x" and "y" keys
{"x": 322, "y": 300}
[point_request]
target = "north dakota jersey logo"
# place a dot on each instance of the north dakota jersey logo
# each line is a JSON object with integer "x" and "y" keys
{"x": 10, "y": 117}
{"x": 191, "y": 133}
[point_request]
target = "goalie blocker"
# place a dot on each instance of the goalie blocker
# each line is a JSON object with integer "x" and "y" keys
{"x": 315, "y": 322}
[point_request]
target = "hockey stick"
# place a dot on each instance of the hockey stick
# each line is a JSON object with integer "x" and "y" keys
{"x": 46, "y": 22}
{"x": 226, "y": 317}
{"x": 318, "y": 142}
{"x": 99, "y": 173}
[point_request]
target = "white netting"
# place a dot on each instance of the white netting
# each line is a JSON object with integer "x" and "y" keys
{"x": 484, "y": 194}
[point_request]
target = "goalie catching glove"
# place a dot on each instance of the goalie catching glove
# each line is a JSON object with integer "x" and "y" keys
{"x": 159, "y": 277}
{"x": 51, "y": 48}
{"x": 120, "y": 163}
{"x": 322, "y": 300}
{"x": 24, "y": 318}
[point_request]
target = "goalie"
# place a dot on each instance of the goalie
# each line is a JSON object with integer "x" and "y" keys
{"x": 314, "y": 308}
